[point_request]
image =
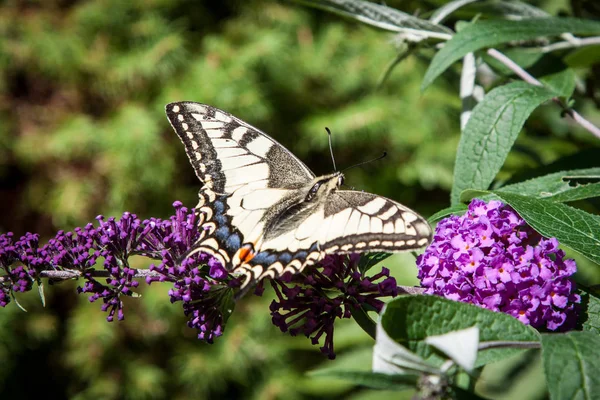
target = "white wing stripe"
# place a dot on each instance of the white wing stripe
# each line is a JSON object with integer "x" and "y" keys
{"x": 240, "y": 161}
{"x": 223, "y": 143}
{"x": 238, "y": 133}
{"x": 231, "y": 152}
{"x": 373, "y": 206}
{"x": 212, "y": 125}
{"x": 260, "y": 146}
{"x": 389, "y": 213}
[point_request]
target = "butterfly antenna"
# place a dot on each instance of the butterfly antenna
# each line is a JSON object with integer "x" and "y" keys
{"x": 331, "y": 149}
{"x": 366, "y": 162}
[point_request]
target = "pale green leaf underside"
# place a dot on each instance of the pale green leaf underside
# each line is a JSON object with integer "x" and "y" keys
{"x": 410, "y": 319}
{"x": 381, "y": 17}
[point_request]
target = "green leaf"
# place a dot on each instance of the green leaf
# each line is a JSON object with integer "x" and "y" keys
{"x": 580, "y": 192}
{"x": 556, "y": 187}
{"x": 373, "y": 380}
{"x": 584, "y": 57}
{"x": 369, "y": 260}
{"x": 40, "y": 285}
{"x": 590, "y": 313}
{"x": 488, "y": 33}
{"x": 381, "y": 17}
{"x": 458, "y": 209}
{"x": 490, "y": 133}
{"x": 441, "y": 13}
{"x": 525, "y": 58}
{"x": 561, "y": 83}
{"x": 582, "y": 159}
{"x": 408, "y": 320}
{"x": 571, "y": 365}
{"x": 572, "y": 227}
{"x": 363, "y": 320}
{"x": 511, "y": 10}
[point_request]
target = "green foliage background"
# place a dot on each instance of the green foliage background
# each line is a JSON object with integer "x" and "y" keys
{"x": 83, "y": 132}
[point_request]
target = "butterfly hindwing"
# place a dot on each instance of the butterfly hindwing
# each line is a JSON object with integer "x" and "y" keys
{"x": 363, "y": 222}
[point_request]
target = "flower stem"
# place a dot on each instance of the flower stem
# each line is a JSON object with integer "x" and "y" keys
{"x": 67, "y": 274}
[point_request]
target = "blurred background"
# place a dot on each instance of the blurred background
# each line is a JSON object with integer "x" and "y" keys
{"x": 83, "y": 85}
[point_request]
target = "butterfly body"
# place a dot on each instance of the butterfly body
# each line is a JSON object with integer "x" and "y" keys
{"x": 264, "y": 213}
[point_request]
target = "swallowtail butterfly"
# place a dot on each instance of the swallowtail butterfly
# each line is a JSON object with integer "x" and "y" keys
{"x": 264, "y": 213}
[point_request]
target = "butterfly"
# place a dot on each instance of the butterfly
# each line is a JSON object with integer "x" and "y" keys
{"x": 264, "y": 213}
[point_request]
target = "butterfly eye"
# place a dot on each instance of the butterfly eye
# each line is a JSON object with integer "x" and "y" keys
{"x": 340, "y": 180}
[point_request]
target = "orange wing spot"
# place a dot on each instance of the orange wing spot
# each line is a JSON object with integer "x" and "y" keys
{"x": 246, "y": 253}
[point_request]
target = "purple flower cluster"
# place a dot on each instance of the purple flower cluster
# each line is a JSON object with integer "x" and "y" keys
{"x": 310, "y": 306}
{"x": 200, "y": 281}
{"x": 16, "y": 277}
{"x": 205, "y": 288}
{"x": 490, "y": 257}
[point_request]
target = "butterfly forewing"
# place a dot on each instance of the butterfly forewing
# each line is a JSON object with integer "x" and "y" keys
{"x": 228, "y": 154}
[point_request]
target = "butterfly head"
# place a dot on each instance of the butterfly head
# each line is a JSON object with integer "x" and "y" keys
{"x": 323, "y": 185}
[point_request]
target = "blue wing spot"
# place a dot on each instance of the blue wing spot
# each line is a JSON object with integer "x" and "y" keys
{"x": 222, "y": 233}
{"x": 301, "y": 255}
{"x": 285, "y": 258}
{"x": 218, "y": 206}
{"x": 220, "y": 219}
{"x": 264, "y": 258}
{"x": 233, "y": 242}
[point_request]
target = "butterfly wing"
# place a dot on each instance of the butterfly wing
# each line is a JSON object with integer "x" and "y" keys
{"x": 247, "y": 175}
{"x": 244, "y": 172}
{"x": 363, "y": 222}
{"x": 228, "y": 154}
{"x": 346, "y": 222}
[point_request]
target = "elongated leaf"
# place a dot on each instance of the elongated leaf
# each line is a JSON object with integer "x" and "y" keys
{"x": 373, "y": 380}
{"x": 381, "y": 16}
{"x": 508, "y": 9}
{"x": 578, "y": 193}
{"x": 590, "y": 313}
{"x": 556, "y": 186}
{"x": 441, "y": 13}
{"x": 369, "y": 260}
{"x": 582, "y": 159}
{"x": 488, "y": 33}
{"x": 408, "y": 320}
{"x": 572, "y": 227}
{"x": 364, "y": 321}
{"x": 524, "y": 57}
{"x": 458, "y": 209}
{"x": 571, "y": 365}
{"x": 562, "y": 83}
{"x": 490, "y": 133}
